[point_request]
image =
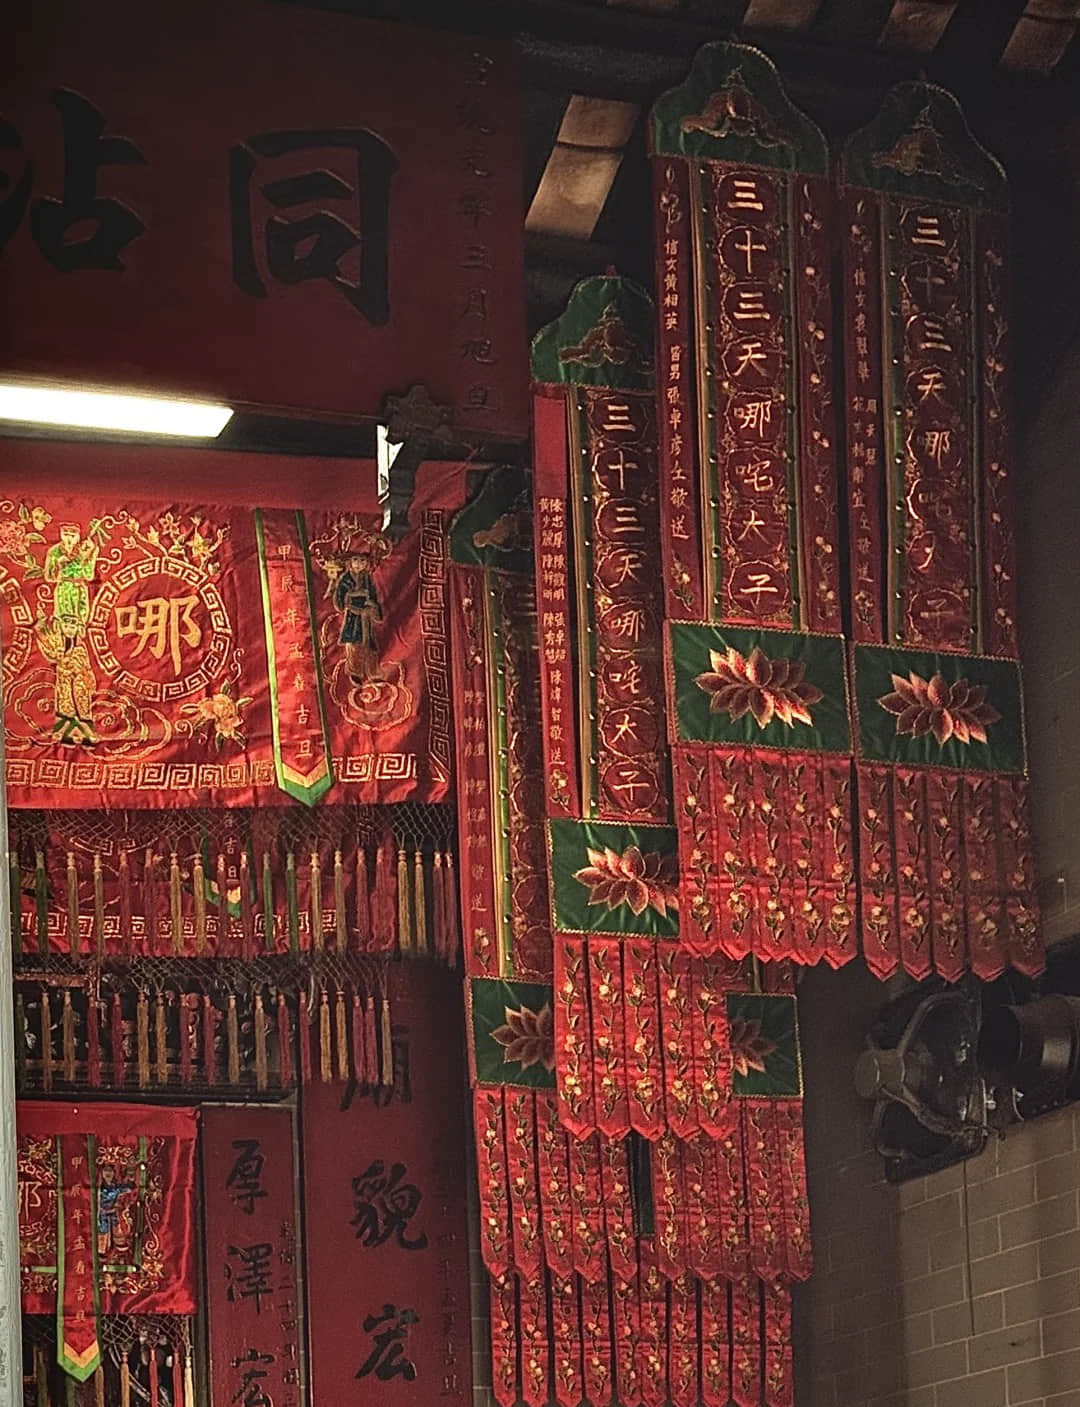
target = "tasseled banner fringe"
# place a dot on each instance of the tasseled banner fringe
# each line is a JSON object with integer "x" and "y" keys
{"x": 198, "y": 890}
{"x": 316, "y": 903}
{"x": 404, "y": 933}
{"x": 67, "y": 1036}
{"x": 93, "y": 1043}
{"x": 46, "y": 1043}
{"x": 284, "y": 1026}
{"x": 160, "y": 1040}
{"x": 420, "y": 904}
{"x": 326, "y": 1069}
{"x": 142, "y": 1040}
{"x": 232, "y": 1037}
{"x": 387, "y": 1046}
{"x": 259, "y": 1022}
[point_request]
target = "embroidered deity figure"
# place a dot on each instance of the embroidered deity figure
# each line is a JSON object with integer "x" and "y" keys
{"x": 357, "y": 599}
{"x": 110, "y": 1200}
{"x": 70, "y": 566}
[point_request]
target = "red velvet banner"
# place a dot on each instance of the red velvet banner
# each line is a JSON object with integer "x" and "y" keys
{"x": 289, "y": 220}
{"x": 106, "y": 1209}
{"x": 253, "y": 1303}
{"x": 387, "y": 1261}
{"x": 144, "y": 666}
{"x": 567, "y": 1338}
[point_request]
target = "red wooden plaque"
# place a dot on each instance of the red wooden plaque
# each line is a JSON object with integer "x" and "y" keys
{"x": 253, "y": 1302}
{"x": 384, "y": 1179}
{"x": 262, "y": 204}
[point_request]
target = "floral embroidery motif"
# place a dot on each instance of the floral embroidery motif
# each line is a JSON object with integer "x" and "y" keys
{"x": 221, "y": 712}
{"x": 749, "y": 1048}
{"x": 958, "y": 710}
{"x": 768, "y": 689}
{"x": 527, "y": 1037}
{"x": 639, "y": 881}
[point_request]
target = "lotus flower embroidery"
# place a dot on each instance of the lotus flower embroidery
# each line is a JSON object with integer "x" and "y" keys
{"x": 639, "y": 881}
{"x": 527, "y": 1037}
{"x": 958, "y": 710}
{"x": 749, "y": 1048}
{"x": 767, "y": 689}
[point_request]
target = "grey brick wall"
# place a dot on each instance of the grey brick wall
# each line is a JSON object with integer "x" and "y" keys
{"x": 956, "y": 1290}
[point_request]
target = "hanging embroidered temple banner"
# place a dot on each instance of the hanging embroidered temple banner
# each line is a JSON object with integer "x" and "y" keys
{"x": 647, "y": 1134}
{"x": 106, "y": 1217}
{"x": 386, "y": 1255}
{"x": 253, "y": 1298}
{"x": 947, "y": 877}
{"x": 757, "y": 695}
{"x": 172, "y": 653}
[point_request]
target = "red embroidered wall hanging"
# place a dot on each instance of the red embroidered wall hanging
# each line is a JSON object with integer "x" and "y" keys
{"x": 106, "y": 1217}
{"x": 757, "y": 694}
{"x": 171, "y": 653}
{"x": 947, "y": 877}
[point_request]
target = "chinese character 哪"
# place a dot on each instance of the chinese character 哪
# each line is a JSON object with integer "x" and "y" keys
{"x": 384, "y": 1206}
{"x": 161, "y": 624}
{"x": 250, "y": 1278}
{"x": 245, "y": 1178}
{"x": 387, "y": 1358}
{"x": 104, "y": 226}
{"x": 313, "y": 246}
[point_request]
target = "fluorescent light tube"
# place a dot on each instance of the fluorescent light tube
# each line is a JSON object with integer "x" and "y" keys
{"x": 30, "y": 404}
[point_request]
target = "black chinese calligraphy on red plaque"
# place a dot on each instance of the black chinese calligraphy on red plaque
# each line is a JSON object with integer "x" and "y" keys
{"x": 274, "y": 227}
{"x": 386, "y": 1254}
{"x": 252, "y": 1291}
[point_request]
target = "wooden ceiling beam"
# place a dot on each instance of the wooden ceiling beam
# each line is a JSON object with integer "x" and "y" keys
{"x": 1042, "y": 34}
{"x": 916, "y": 26}
{"x": 582, "y": 167}
{"x": 780, "y": 14}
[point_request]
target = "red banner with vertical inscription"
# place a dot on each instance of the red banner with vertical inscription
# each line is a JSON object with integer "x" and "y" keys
{"x": 947, "y": 881}
{"x": 253, "y": 1296}
{"x": 265, "y": 249}
{"x": 387, "y": 1249}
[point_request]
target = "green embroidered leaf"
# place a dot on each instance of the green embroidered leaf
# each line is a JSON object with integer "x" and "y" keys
{"x": 614, "y": 879}
{"x": 771, "y": 688}
{"x": 764, "y": 1037}
{"x": 512, "y": 1033}
{"x": 962, "y": 711}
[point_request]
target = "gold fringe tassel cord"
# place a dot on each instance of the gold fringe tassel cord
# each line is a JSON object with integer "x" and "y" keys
{"x": 99, "y": 1386}
{"x": 387, "y": 1046}
{"x": 260, "y": 1040}
{"x": 67, "y": 1035}
{"x": 340, "y": 927}
{"x": 176, "y": 910}
{"x": 41, "y": 901}
{"x": 73, "y": 903}
{"x": 125, "y": 1382}
{"x": 221, "y": 884}
{"x": 420, "y": 903}
{"x": 161, "y": 1044}
{"x": 291, "y": 902}
{"x": 316, "y": 901}
{"x": 326, "y": 1069}
{"x": 198, "y": 888}
{"x": 232, "y": 1035}
{"x": 404, "y": 935}
{"x": 99, "y": 908}
{"x": 41, "y": 1376}
{"x": 342, "y": 1035}
{"x": 46, "y": 1041}
{"x": 189, "y": 1378}
{"x": 142, "y": 1039}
